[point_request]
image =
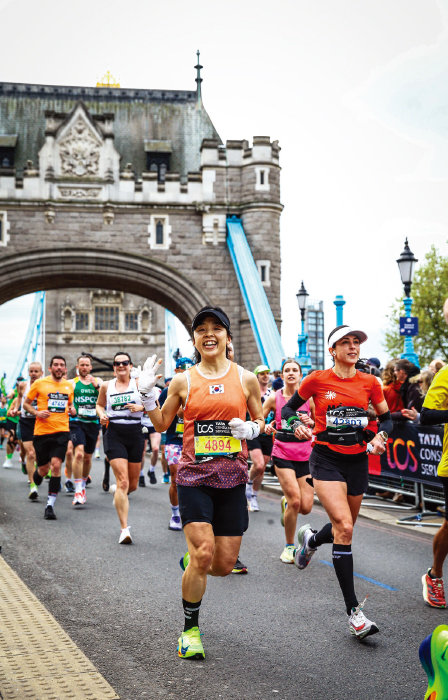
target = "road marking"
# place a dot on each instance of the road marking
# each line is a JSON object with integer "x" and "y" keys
{"x": 364, "y": 578}
{"x": 37, "y": 658}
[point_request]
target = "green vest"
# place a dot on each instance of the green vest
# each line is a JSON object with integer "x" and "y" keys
{"x": 85, "y": 396}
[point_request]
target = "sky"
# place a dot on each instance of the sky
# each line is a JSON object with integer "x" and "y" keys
{"x": 356, "y": 93}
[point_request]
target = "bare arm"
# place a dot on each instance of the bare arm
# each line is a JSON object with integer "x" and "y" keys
{"x": 253, "y": 398}
{"x": 101, "y": 404}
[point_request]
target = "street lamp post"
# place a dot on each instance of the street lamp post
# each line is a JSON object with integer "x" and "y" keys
{"x": 303, "y": 357}
{"x": 406, "y": 264}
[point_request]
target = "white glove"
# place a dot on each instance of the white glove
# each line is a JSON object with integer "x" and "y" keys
{"x": 136, "y": 372}
{"x": 148, "y": 377}
{"x": 244, "y": 430}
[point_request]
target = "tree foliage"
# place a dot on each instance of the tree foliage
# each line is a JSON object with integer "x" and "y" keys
{"x": 429, "y": 291}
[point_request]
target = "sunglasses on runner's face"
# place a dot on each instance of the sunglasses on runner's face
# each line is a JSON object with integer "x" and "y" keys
{"x": 125, "y": 363}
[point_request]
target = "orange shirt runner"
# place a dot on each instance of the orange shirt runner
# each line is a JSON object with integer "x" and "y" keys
{"x": 55, "y": 397}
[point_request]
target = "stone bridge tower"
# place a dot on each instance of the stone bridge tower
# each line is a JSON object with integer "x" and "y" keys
{"x": 129, "y": 190}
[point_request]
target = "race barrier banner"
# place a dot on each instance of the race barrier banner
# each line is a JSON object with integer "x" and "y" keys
{"x": 413, "y": 452}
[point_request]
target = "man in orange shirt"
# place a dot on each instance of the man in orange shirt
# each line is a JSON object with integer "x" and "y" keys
{"x": 54, "y": 396}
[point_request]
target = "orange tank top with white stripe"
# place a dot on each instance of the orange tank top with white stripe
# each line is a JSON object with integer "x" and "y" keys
{"x": 210, "y": 456}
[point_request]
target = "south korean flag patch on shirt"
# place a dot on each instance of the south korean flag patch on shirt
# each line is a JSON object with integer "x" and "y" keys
{"x": 216, "y": 388}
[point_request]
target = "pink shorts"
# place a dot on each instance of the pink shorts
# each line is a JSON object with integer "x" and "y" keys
{"x": 172, "y": 454}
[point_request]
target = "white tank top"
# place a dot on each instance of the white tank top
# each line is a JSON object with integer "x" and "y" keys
{"x": 117, "y": 400}
{"x": 23, "y": 413}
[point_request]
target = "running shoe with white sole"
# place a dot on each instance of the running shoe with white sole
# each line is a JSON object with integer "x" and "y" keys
{"x": 125, "y": 536}
{"x": 33, "y": 494}
{"x": 78, "y": 499}
{"x": 249, "y": 491}
{"x": 112, "y": 488}
{"x": 239, "y": 567}
{"x": 284, "y": 505}
{"x": 359, "y": 625}
{"x": 433, "y": 591}
{"x": 69, "y": 486}
{"x": 7, "y": 464}
{"x": 189, "y": 645}
{"x": 253, "y": 504}
{"x": 303, "y": 552}
{"x": 175, "y": 523}
{"x": 97, "y": 454}
{"x": 287, "y": 556}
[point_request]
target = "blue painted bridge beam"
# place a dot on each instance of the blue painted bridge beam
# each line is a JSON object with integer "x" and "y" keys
{"x": 261, "y": 318}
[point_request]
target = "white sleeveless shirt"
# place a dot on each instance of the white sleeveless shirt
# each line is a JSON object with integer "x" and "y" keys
{"x": 116, "y": 400}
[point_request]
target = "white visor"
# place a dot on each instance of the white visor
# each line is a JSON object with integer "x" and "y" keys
{"x": 341, "y": 332}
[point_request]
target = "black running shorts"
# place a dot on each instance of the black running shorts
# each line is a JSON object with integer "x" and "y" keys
{"x": 84, "y": 434}
{"x": 300, "y": 468}
{"x": 48, "y": 446}
{"x": 262, "y": 442}
{"x": 26, "y": 426}
{"x": 124, "y": 441}
{"x": 224, "y": 509}
{"x": 327, "y": 465}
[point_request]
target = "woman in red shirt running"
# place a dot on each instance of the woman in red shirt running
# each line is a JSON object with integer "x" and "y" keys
{"x": 215, "y": 395}
{"x": 338, "y": 463}
{"x": 290, "y": 455}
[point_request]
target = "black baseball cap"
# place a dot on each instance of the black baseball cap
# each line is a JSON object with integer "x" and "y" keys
{"x": 211, "y": 311}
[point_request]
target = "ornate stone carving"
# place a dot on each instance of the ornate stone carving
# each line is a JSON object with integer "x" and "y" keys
{"x": 80, "y": 193}
{"x": 79, "y": 151}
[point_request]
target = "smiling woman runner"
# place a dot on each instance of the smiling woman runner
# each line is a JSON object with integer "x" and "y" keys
{"x": 212, "y": 472}
{"x": 338, "y": 462}
{"x": 120, "y": 408}
{"x": 290, "y": 455}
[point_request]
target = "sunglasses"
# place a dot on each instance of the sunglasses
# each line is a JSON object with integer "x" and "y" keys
{"x": 125, "y": 363}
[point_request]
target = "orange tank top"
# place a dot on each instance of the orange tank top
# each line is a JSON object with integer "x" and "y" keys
{"x": 210, "y": 456}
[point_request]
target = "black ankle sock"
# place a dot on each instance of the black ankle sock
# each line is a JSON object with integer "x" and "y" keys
{"x": 191, "y": 612}
{"x": 343, "y": 566}
{"x": 54, "y": 485}
{"x": 2, "y": 439}
{"x": 324, "y": 536}
{"x": 37, "y": 478}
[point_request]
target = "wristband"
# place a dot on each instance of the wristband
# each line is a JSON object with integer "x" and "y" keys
{"x": 148, "y": 401}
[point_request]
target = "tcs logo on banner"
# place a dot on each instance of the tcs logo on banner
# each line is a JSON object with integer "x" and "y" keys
{"x": 400, "y": 454}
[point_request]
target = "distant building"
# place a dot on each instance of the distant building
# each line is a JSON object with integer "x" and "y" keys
{"x": 314, "y": 327}
{"x": 101, "y": 322}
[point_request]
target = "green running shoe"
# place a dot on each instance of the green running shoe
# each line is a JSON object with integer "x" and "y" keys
{"x": 190, "y": 645}
{"x": 184, "y": 561}
{"x": 284, "y": 505}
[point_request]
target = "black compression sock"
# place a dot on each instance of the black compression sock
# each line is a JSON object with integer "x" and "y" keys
{"x": 37, "y": 478}
{"x": 2, "y": 439}
{"x": 324, "y": 536}
{"x": 343, "y": 566}
{"x": 191, "y": 612}
{"x": 54, "y": 485}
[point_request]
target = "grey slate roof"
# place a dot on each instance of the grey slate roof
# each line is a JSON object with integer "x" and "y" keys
{"x": 139, "y": 116}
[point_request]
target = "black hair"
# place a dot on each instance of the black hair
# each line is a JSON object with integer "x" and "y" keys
{"x": 57, "y": 357}
{"x": 122, "y": 353}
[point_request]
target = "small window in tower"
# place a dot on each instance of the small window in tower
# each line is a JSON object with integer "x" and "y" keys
{"x": 264, "y": 270}
{"x": 261, "y": 177}
{"x": 82, "y": 321}
{"x": 131, "y": 321}
{"x": 159, "y": 232}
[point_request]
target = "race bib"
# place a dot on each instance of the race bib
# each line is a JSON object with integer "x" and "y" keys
{"x": 213, "y": 438}
{"x": 57, "y": 403}
{"x": 119, "y": 401}
{"x": 347, "y": 416}
{"x": 87, "y": 411}
{"x": 180, "y": 426}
